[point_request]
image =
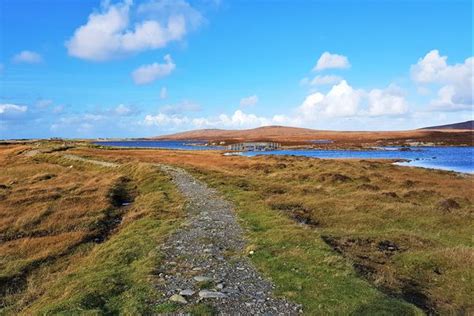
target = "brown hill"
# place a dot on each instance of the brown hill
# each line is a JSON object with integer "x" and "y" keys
{"x": 295, "y": 136}
{"x": 468, "y": 125}
{"x": 266, "y": 132}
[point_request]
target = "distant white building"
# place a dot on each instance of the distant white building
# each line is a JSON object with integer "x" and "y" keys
{"x": 254, "y": 146}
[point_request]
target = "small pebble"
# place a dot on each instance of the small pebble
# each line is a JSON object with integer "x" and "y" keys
{"x": 187, "y": 292}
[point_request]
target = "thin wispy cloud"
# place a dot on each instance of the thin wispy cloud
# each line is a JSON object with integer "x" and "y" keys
{"x": 331, "y": 61}
{"x": 249, "y": 101}
{"x": 148, "y": 73}
{"x": 8, "y": 108}
{"x": 163, "y": 93}
{"x": 27, "y": 57}
{"x": 181, "y": 107}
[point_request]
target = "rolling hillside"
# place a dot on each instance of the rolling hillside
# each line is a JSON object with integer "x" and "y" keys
{"x": 294, "y": 135}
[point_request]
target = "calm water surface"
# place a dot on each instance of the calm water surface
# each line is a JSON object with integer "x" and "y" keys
{"x": 460, "y": 159}
{"x": 164, "y": 144}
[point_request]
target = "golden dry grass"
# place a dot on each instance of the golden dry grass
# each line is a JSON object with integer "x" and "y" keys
{"x": 45, "y": 209}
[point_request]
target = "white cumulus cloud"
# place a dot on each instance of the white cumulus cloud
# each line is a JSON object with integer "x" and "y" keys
{"x": 109, "y": 34}
{"x": 390, "y": 101}
{"x": 239, "y": 119}
{"x": 27, "y": 57}
{"x": 455, "y": 82}
{"x": 331, "y": 61}
{"x": 448, "y": 100}
{"x": 148, "y": 73}
{"x": 341, "y": 100}
{"x": 249, "y": 101}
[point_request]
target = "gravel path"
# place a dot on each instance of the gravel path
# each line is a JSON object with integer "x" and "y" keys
{"x": 204, "y": 259}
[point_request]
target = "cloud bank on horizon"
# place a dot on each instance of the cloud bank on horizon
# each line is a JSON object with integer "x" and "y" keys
{"x": 142, "y": 68}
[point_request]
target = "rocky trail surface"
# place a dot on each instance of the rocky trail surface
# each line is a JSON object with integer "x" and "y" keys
{"x": 204, "y": 260}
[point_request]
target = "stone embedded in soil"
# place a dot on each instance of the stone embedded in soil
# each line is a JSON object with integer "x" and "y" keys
{"x": 178, "y": 299}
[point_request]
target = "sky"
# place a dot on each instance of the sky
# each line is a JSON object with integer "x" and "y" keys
{"x": 90, "y": 68}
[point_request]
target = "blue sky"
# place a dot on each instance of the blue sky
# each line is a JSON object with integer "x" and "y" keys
{"x": 142, "y": 68}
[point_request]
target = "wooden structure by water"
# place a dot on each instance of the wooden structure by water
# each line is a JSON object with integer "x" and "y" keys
{"x": 254, "y": 146}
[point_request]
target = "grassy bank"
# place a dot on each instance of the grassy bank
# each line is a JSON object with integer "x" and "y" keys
{"x": 70, "y": 245}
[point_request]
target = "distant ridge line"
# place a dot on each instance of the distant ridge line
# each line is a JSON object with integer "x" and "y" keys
{"x": 467, "y": 125}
